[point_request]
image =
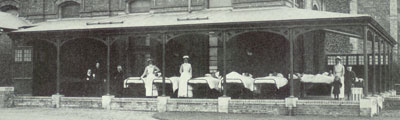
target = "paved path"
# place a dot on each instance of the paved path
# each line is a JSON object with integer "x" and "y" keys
{"x": 71, "y": 114}
{"x": 97, "y": 114}
{"x": 387, "y": 115}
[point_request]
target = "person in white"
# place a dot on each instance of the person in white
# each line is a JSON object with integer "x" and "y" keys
{"x": 186, "y": 74}
{"x": 148, "y": 76}
{"x": 338, "y": 70}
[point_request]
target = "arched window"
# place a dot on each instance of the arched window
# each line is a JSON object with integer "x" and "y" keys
{"x": 300, "y": 3}
{"x": 139, "y": 6}
{"x": 219, "y": 3}
{"x": 10, "y": 9}
{"x": 69, "y": 9}
{"x": 315, "y": 7}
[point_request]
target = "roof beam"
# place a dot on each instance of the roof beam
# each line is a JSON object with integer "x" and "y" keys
{"x": 343, "y": 33}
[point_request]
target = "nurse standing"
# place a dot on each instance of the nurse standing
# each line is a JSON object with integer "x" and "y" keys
{"x": 186, "y": 74}
{"x": 338, "y": 71}
{"x": 148, "y": 76}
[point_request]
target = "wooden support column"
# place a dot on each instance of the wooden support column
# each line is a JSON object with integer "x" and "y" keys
{"x": 224, "y": 63}
{"x": 164, "y": 41}
{"x": 58, "y": 45}
{"x": 389, "y": 74}
{"x": 384, "y": 67}
{"x": 108, "y": 65}
{"x": 291, "y": 66}
{"x": 365, "y": 61}
{"x": 391, "y": 67}
{"x": 379, "y": 66}
{"x": 373, "y": 78}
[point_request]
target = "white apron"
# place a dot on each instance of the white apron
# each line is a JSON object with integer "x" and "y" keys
{"x": 186, "y": 74}
{"x": 151, "y": 90}
{"x": 339, "y": 71}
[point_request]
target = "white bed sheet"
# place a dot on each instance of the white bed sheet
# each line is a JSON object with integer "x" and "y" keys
{"x": 319, "y": 78}
{"x": 134, "y": 80}
{"x": 211, "y": 81}
{"x": 278, "y": 81}
{"x": 235, "y": 77}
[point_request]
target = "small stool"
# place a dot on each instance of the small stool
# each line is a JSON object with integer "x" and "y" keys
{"x": 356, "y": 94}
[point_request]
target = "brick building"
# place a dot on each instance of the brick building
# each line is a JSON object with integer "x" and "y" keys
{"x": 310, "y": 56}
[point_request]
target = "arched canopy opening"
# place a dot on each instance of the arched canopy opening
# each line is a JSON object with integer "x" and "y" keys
{"x": 77, "y": 56}
{"x": 43, "y": 57}
{"x": 258, "y": 53}
{"x": 196, "y": 46}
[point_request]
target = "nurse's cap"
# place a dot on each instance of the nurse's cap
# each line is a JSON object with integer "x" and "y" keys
{"x": 338, "y": 57}
{"x": 186, "y": 57}
{"x": 149, "y": 59}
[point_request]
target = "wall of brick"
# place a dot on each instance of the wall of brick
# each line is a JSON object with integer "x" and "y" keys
{"x": 340, "y": 6}
{"x": 139, "y": 104}
{"x": 273, "y": 107}
{"x": 192, "y": 105}
{"x": 30, "y": 101}
{"x": 5, "y": 60}
{"x": 391, "y": 104}
{"x": 327, "y": 107}
{"x": 378, "y": 9}
{"x": 81, "y": 102}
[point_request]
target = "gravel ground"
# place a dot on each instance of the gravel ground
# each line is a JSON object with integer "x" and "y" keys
{"x": 71, "y": 114}
{"x": 387, "y": 115}
{"x": 97, "y": 114}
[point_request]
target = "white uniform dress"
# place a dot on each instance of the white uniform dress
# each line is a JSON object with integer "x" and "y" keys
{"x": 148, "y": 80}
{"x": 186, "y": 74}
{"x": 339, "y": 70}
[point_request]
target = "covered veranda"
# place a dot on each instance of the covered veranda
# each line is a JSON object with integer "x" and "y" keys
{"x": 224, "y": 25}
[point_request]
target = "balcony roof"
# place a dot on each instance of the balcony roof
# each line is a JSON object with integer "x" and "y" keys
{"x": 196, "y": 18}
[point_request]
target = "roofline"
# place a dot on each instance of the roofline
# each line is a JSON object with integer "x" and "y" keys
{"x": 202, "y": 24}
{"x": 366, "y": 20}
{"x": 374, "y": 24}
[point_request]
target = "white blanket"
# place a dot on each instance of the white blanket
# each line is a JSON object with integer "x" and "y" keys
{"x": 233, "y": 77}
{"x": 211, "y": 81}
{"x": 134, "y": 80}
{"x": 319, "y": 78}
{"x": 138, "y": 80}
{"x": 278, "y": 81}
{"x": 174, "y": 80}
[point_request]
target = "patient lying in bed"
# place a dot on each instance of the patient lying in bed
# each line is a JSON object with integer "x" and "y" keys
{"x": 318, "y": 78}
{"x": 278, "y": 79}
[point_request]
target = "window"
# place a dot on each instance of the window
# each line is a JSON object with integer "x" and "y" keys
{"x": 27, "y": 55}
{"x": 352, "y": 60}
{"x": 10, "y": 9}
{"x": 387, "y": 60}
{"x": 315, "y": 7}
{"x": 331, "y": 60}
{"x": 23, "y": 55}
{"x": 219, "y": 3}
{"x": 18, "y": 55}
{"x": 69, "y": 9}
{"x": 300, "y": 3}
{"x": 361, "y": 60}
{"x": 139, "y": 6}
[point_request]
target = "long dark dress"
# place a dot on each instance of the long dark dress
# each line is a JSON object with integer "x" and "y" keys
{"x": 349, "y": 79}
{"x": 118, "y": 82}
{"x": 97, "y": 84}
{"x": 336, "y": 87}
